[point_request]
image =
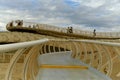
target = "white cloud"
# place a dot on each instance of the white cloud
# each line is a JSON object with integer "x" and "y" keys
{"x": 90, "y": 3}
{"x": 88, "y": 14}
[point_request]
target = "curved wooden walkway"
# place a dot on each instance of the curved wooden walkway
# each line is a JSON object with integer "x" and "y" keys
{"x": 61, "y": 32}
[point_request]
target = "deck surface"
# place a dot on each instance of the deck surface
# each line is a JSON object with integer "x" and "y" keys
{"x": 63, "y": 73}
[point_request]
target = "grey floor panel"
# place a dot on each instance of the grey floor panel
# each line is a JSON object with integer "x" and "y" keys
{"x": 63, "y": 74}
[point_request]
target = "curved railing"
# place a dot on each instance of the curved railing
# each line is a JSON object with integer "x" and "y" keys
{"x": 103, "y": 57}
{"x": 31, "y": 66}
{"x": 15, "y": 58}
{"x": 75, "y": 32}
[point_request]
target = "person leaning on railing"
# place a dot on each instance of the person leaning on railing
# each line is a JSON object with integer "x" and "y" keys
{"x": 20, "y": 23}
{"x": 11, "y": 24}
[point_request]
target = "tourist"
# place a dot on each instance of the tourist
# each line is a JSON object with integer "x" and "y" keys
{"x": 94, "y": 32}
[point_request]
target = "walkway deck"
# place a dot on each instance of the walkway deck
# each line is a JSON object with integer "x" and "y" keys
{"x": 63, "y": 73}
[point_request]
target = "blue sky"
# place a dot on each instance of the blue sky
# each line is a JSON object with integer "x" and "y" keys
{"x": 72, "y": 3}
{"x": 102, "y": 15}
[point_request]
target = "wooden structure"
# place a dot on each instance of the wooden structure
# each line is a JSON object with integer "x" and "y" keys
{"x": 102, "y": 56}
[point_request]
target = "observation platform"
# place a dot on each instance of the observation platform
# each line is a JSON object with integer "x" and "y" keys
{"x": 60, "y": 32}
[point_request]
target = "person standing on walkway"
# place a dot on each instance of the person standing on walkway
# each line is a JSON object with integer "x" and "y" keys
{"x": 94, "y": 32}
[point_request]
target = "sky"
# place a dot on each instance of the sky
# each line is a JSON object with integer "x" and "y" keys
{"x": 102, "y": 15}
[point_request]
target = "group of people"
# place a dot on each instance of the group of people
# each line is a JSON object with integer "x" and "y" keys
{"x": 69, "y": 30}
{"x": 18, "y": 22}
